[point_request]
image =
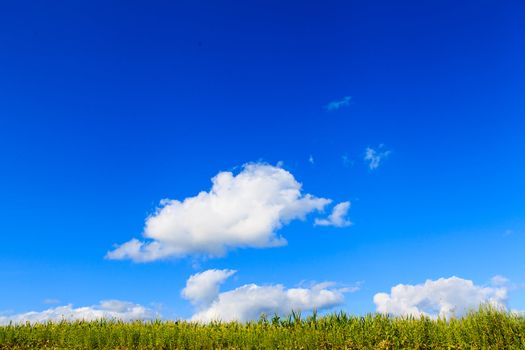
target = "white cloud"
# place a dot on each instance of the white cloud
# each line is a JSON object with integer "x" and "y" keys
{"x": 375, "y": 156}
{"x": 249, "y": 301}
{"x": 108, "y": 309}
{"x": 337, "y": 218}
{"x": 335, "y": 105}
{"x": 311, "y": 159}
{"x": 202, "y": 288}
{"x": 243, "y": 210}
{"x": 499, "y": 280}
{"x": 444, "y": 297}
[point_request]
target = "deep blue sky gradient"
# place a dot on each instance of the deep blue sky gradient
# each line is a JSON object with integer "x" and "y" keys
{"x": 106, "y": 107}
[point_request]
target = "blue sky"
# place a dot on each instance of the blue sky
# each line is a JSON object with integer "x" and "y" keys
{"x": 106, "y": 108}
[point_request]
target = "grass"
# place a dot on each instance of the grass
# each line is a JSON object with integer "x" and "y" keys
{"x": 485, "y": 329}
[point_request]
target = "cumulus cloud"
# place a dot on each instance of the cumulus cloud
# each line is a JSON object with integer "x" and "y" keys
{"x": 107, "y": 309}
{"x": 337, "y": 218}
{"x": 335, "y": 105}
{"x": 243, "y": 210}
{"x": 202, "y": 288}
{"x": 374, "y": 156}
{"x": 249, "y": 301}
{"x": 444, "y": 297}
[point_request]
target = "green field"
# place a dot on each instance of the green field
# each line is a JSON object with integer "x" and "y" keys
{"x": 485, "y": 329}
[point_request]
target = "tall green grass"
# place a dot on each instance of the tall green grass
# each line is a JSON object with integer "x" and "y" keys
{"x": 485, "y": 329}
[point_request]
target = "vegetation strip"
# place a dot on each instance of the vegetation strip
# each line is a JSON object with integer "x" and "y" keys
{"x": 484, "y": 329}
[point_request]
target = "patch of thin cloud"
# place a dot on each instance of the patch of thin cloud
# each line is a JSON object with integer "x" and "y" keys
{"x": 239, "y": 211}
{"x": 352, "y": 289}
{"x": 250, "y": 301}
{"x": 338, "y": 104}
{"x": 106, "y": 309}
{"x": 374, "y": 157}
{"x": 444, "y": 297}
{"x": 337, "y": 218}
{"x": 51, "y": 301}
{"x": 347, "y": 162}
{"x": 499, "y": 280}
{"x": 311, "y": 159}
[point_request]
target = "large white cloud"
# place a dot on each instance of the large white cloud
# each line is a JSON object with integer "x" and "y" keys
{"x": 249, "y": 301}
{"x": 243, "y": 210}
{"x": 107, "y": 309}
{"x": 443, "y": 297}
{"x": 337, "y": 218}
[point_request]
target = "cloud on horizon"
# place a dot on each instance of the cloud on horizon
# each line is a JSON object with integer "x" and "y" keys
{"x": 239, "y": 211}
{"x": 335, "y": 105}
{"x": 107, "y": 309}
{"x": 444, "y": 297}
{"x": 249, "y": 301}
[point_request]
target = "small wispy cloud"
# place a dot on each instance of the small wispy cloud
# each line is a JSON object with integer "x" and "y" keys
{"x": 311, "y": 159}
{"x": 335, "y": 105}
{"x": 347, "y": 162}
{"x": 374, "y": 157}
{"x": 499, "y": 280}
{"x": 337, "y": 218}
